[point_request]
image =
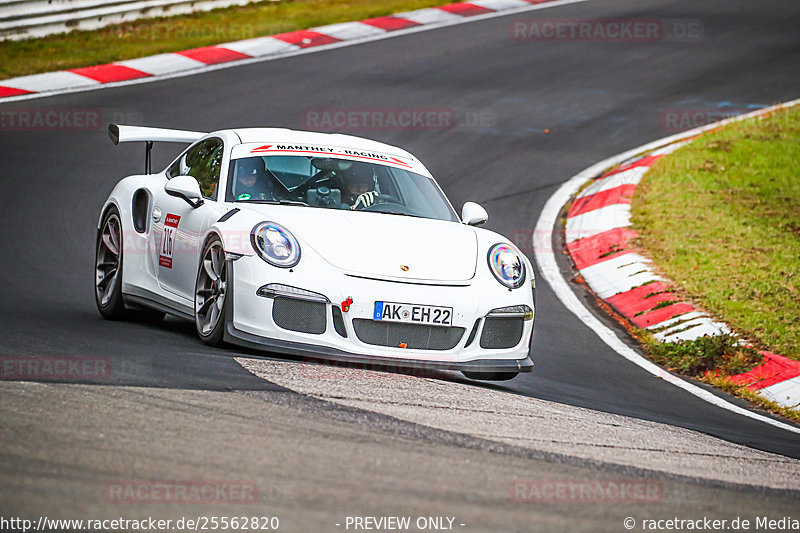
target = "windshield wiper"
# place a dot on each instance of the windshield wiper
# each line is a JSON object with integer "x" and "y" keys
{"x": 277, "y": 202}
{"x": 394, "y": 213}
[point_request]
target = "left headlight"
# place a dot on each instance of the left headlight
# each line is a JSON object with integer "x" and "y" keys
{"x": 506, "y": 265}
{"x": 275, "y": 244}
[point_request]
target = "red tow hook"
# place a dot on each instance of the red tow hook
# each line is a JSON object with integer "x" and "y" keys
{"x": 346, "y": 304}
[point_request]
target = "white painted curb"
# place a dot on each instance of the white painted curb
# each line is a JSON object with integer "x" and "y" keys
{"x": 545, "y": 258}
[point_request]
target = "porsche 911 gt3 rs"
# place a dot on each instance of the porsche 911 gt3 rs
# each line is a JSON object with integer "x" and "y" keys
{"x": 312, "y": 244}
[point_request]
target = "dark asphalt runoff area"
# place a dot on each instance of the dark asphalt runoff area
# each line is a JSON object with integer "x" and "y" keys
{"x": 528, "y": 116}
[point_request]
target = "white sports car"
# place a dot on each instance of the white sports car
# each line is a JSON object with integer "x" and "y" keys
{"x": 312, "y": 244}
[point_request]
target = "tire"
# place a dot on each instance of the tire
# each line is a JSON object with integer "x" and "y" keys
{"x": 491, "y": 376}
{"x": 108, "y": 268}
{"x": 108, "y": 274}
{"x": 210, "y": 293}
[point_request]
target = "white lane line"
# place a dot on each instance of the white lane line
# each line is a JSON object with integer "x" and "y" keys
{"x": 545, "y": 258}
{"x": 287, "y": 54}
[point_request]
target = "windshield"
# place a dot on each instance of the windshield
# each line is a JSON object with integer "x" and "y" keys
{"x": 331, "y": 183}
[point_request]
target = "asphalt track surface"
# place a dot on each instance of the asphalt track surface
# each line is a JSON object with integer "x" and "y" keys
{"x": 595, "y": 98}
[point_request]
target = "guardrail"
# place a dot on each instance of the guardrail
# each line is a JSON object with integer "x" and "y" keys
{"x": 23, "y": 19}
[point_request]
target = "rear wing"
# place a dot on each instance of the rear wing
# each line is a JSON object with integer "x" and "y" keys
{"x": 123, "y": 134}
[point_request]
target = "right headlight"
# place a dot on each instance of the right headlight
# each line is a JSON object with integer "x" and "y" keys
{"x": 275, "y": 244}
{"x": 506, "y": 265}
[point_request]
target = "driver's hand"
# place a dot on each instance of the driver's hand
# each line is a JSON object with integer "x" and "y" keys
{"x": 365, "y": 200}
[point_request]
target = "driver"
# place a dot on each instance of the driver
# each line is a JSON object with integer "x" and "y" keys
{"x": 251, "y": 180}
{"x": 360, "y": 184}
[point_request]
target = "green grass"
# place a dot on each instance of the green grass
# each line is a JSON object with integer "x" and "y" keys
{"x": 721, "y": 217}
{"x": 158, "y": 35}
{"x": 712, "y": 360}
{"x": 720, "y": 354}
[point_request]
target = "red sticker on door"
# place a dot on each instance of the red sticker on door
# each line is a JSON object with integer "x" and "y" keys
{"x": 168, "y": 240}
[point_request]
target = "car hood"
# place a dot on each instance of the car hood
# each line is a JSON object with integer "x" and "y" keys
{"x": 384, "y": 246}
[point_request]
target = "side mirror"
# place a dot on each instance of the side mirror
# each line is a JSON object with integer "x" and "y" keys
{"x": 473, "y": 214}
{"x": 185, "y": 187}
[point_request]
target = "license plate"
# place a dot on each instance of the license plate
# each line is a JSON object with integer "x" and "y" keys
{"x": 415, "y": 314}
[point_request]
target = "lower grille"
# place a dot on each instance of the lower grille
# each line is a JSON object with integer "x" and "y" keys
{"x": 499, "y": 333}
{"x": 300, "y": 315}
{"x": 414, "y": 336}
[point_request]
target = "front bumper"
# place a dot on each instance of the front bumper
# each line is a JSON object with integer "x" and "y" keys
{"x": 255, "y": 342}
{"x": 250, "y": 320}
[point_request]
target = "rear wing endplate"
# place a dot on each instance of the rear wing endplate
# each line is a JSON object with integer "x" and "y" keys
{"x": 123, "y": 134}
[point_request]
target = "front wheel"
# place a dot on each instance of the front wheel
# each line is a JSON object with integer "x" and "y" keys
{"x": 210, "y": 293}
{"x": 491, "y": 376}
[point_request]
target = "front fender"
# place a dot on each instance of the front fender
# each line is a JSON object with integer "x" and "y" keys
{"x": 234, "y": 230}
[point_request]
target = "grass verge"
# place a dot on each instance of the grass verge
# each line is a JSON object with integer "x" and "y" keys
{"x": 721, "y": 354}
{"x": 713, "y": 360}
{"x": 170, "y": 34}
{"x": 721, "y": 217}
